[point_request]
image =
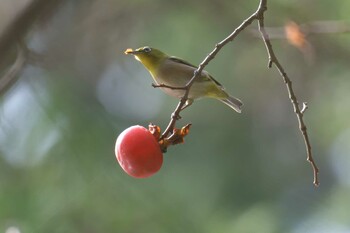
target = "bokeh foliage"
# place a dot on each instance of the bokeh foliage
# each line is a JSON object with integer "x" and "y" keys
{"x": 235, "y": 173}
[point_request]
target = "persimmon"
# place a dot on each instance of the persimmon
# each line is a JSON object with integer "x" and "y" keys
{"x": 138, "y": 152}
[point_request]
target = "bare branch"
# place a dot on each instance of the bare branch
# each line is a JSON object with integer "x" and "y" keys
{"x": 12, "y": 74}
{"x": 167, "y": 86}
{"x": 176, "y": 114}
{"x": 299, "y": 113}
{"x": 21, "y": 23}
{"x": 272, "y": 60}
{"x": 15, "y": 31}
{"x": 304, "y": 108}
{"x": 24, "y": 56}
{"x": 308, "y": 29}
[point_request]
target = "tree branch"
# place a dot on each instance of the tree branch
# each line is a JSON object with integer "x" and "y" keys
{"x": 12, "y": 74}
{"x": 167, "y": 86}
{"x": 21, "y": 23}
{"x": 299, "y": 113}
{"x": 24, "y": 56}
{"x": 176, "y": 114}
{"x": 259, "y": 16}
{"x": 15, "y": 31}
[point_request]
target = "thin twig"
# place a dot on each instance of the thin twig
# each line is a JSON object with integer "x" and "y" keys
{"x": 167, "y": 86}
{"x": 13, "y": 73}
{"x": 176, "y": 114}
{"x": 28, "y": 13}
{"x": 304, "y": 108}
{"x": 308, "y": 29}
{"x": 299, "y": 113}
{"x": 257, "y": 15}
{"x": 26, "y": 16}
{"x": 24, "y": 57}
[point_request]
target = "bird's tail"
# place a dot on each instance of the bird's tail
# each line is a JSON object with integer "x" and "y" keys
{"x": 233, "y": 103}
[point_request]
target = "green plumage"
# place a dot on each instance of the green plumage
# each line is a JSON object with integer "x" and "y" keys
{"x": 175, "y": 72}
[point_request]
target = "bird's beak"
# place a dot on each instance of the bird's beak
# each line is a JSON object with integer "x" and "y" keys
{"x": 130, "y": 51}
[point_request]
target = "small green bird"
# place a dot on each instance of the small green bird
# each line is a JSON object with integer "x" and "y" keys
{"x": 175, "y": 72}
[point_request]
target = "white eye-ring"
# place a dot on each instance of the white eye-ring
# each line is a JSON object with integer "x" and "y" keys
{"x": 147, "y": 49}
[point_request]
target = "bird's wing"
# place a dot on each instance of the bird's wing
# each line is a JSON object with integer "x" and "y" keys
{"x": 205, "y": 78}
{"x": 181, "y": 61}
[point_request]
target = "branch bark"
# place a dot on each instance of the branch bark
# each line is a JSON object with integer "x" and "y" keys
{"x": 259, "y": 16}
{"x": 20, "y": 25}
{"x": 12, "y": 74}
{"x": 299, "y": 112}
{"x": 176, "y": 114}
{"x": 15, "y": 31}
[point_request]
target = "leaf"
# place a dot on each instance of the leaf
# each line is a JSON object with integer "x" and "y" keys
{"x": 175, "y": 138}
{"x": 178, "y": 135}
{"x": 295, "y": 35}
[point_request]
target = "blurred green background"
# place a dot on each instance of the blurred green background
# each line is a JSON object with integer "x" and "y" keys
{"x": 235, "y": 173}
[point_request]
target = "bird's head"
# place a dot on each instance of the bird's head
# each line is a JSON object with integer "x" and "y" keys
{"x": 149, "y": 57}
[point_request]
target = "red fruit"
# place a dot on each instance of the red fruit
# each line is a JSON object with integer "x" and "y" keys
{"x": 138, "y": 152}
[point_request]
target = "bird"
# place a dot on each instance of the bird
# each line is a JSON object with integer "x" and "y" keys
{"x": 171, "y": 74}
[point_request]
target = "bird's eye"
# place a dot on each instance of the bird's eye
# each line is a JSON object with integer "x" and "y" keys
{"x": 147, "y": 49}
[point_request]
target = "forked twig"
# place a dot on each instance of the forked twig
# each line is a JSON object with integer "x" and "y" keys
{"x": 299, "y": 112}
{"x": 167, "y": 86}
{"x": 24, "y": 56}
{"x": 259, "y": 16}
{"x": 176, "y": 114}
{"x": 13, "y": 72}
